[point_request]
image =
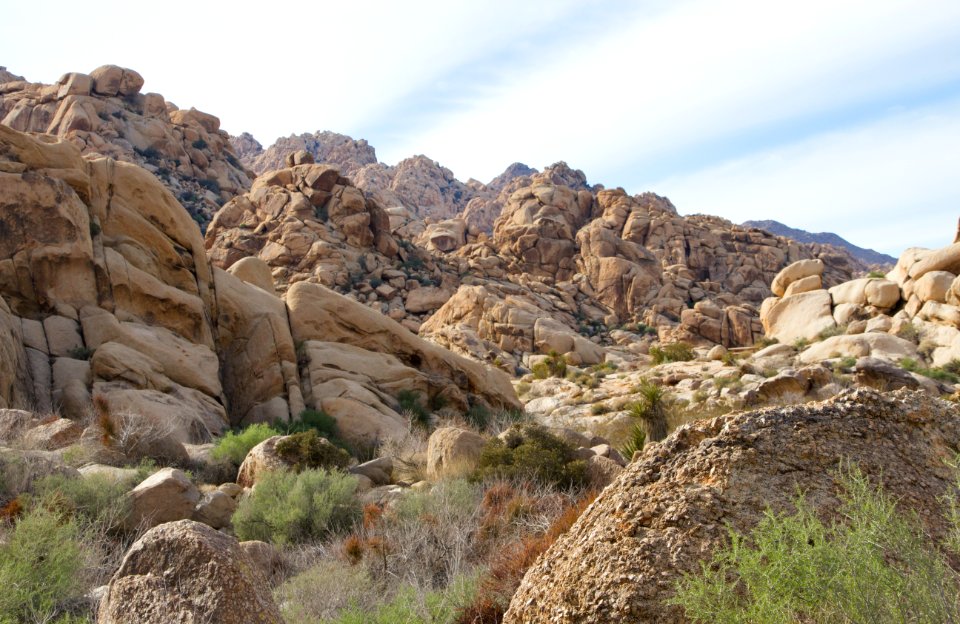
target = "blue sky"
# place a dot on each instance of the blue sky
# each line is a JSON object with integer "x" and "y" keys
{"x": 836, "y": 116}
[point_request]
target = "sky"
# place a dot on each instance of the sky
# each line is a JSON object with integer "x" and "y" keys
{"x": 840, "y": 116}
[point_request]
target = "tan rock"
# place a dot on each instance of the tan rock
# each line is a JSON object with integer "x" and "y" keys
{"x": 944, "y": 259}
{"x": 453, "y": 452}
{"x": 882, "y": 293}
{"x": 165, "y": 496}
{"x": 187, "y": 572}
{"x": 426, "y": 299}
{"x": 111, "y": 80}
{"x": 54, "y": 435}
{"x": 215, "y": 509}
{"x": 860, "y": 345}
{"x": 794, "y": 272}
{"x": 934, "y": 286}
{"x": 804, "y": 284}
{"x": 261, "y": 458}
{"x": 800, "y": 316}
{"x": 602, "y": 471}
{"x": 253, "y": 270}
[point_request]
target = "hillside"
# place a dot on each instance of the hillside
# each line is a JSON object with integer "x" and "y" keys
{"x": 867, "y": 256}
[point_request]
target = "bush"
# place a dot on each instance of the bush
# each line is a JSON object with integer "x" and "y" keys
{"x": 287, "y": 507}
{"x": 95, "y": 499}
{"x": 877, "y": 566}
{"x": 199, "y": 144}
{"x": 412, "y": 405}
{"x": 634, "y": 442}
{"x": 210, "y": 185}
{"x": 235, "y": 446}
{"x": 40, "y": 567}
{"x": 674, "y": 352}
{"x": 321, "y": 592}
{"x": 307, "y": 450}
{"x": 830, "y": 332}
{"x": 410, "y": 606}
{"x": 530, "y": 451}
{"x": 554, "y": 365}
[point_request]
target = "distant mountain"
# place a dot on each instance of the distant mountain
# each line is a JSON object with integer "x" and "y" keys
{"x": 868, "y": 256}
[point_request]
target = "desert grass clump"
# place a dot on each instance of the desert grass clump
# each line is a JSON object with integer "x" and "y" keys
{"x": 307, "y": 450}
{"x": 673, "y": 352}
{"x": 411, "y": 404}
{"x": 874, "y": 565}
{"x": 554, "y": 365}
{"x": 289, "y": 508}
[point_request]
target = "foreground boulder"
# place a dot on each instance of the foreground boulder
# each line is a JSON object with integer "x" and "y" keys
{"x": 669, "y": 510}
{"x": 187, "y": 573}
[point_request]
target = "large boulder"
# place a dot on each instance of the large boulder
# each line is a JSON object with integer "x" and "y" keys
{"x": 800, "y": 316}
{"x": 165, "y": 496}
{"x": 860, "y": 345}
{"x": 668, "y": 511}
{"x": 186, "y": 573}
{"x": 795, "y": 272}
{"x": 453, "y": 452}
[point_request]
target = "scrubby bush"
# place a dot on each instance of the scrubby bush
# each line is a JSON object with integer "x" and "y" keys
{"x": 410, "y": 606}
{"x": 307, "y": 450}
{"x": 412, "y": 405}
{"x": 288, "y": 507}
{"x": 636, "y": 438}
{"x": 554, "y": 365}
{"x": 673, "y": 352}
{"x": 830, "y": 332}
{"x": 235, "y": 445}
{"x": 199, "y": 144}
{"x": 876, "y": 565}
{"x": 322, "y": 591}
{"x": 40, "y": 568}
{"x": 96, "y": 499}
{"x": 530, "y": 451}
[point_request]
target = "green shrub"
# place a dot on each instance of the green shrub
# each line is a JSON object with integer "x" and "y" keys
{"x": 765, "y": 342}
{"x": 95, "y": 499}
{"x": 317, "y": 420}
{"x": 673, "y": 352}
{"x": 801, "y": 343}
{"x": 199, "y": 144}
{"x": 81, "y": 353}
{"x": 478, "y": 416}
{"x": 877, "y": 274}
{"x": 411, "y": 404}
{"x": 876, "y": 566}
{"x": 307, "y": 450}
{"x": 235, "y": 446}
{"x": 530, "y": 451}
{"x": 909, "y": 331}
{"x": 410, "y": 606}
{"x": 288, "y": 507}
{"x": 210, "y": 185}
{"x": 554, "y": 365}
{"x": 40, "y": 567}
{"x": 321, "y": 592}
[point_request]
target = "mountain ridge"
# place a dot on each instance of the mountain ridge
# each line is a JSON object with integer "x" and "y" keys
{"x": 869, "y": 256}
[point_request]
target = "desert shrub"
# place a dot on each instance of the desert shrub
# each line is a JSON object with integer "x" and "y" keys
{"x": 235, "y": 446}
{"x": 324, "y": 424}
{"x": 876, "y": 566}
{"x": 909, "y": 331}
{"x": 288, "y": 507}
{"x": 412, "y": 405}
{"x": 322, "y": 591}
{"x": 764, "y": 342}
{"x": 844, "y": 363}
{"x": 801, "y": 343}
{"x": 95, "y": 499}
{"x": 599, "y": 408}
{"x": 940, "y": 374}
{"x": 522, "y": 388}
{"x": 40, "y": 567}
{"x": 149, "y": 153}
{"x": 199, "y": 144}
{"x": 307, "y": 450}
{"x": 497, "y": 586}
{"x": 530, "y": 451}
{"x": 877, "y": 274}
{"x": 478, "y": 416}
{"x": 650, "y": 410}
{"x": 210, "y": 185}
{"x": 673, "y": 352}
{"x": 953, "y": 366}
{"x": 411, "y": 606}
{"x": 554, "y": 365}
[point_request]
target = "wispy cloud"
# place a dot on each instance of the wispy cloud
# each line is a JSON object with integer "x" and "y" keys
{"x": 888, "y": 184}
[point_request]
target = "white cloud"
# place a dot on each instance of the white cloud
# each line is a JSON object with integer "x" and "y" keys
{"x": 889, "y": 184}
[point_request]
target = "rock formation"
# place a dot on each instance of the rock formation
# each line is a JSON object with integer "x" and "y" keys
{"x": 867, "y": 256}
{"x": 110, "y": 305}
{"x": 104, "y": 113}
{"x": 339, "y": 150}
{"x": 668, "y": 511}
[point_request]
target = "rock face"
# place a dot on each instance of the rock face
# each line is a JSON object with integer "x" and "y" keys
{"x": 104, "y": 113}
{"x": 185, "y": 573}
{"x": 668, "y": 511}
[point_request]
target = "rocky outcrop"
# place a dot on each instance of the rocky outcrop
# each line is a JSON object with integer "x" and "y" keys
{"x": 104, "y": 113}
{"x": 186, "y": 572}
{"x": 868, "y": 256}
{"x": 330, "y": 148}
{"x": 453, "y": 452}
{"x": 111, "y": 307}
{"x": 669, "y": 510}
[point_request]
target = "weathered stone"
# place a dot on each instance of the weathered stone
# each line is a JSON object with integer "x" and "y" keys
{"x": 453, "y": 452}
{"x": 165, "y": 496}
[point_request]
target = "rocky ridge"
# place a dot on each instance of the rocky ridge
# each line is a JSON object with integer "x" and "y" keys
{"x": 104, "y": 113}
{"x": 869, "y": 256}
